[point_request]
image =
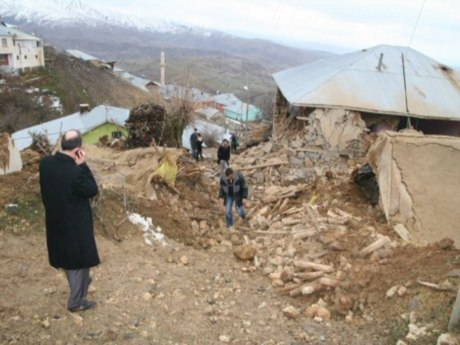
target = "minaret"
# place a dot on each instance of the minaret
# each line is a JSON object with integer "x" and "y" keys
{"x": 163, "y": 67}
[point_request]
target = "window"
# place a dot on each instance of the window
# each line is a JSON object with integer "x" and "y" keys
{"x": 4, "y": 43}
{"x": 3, "y": 59}
{"x": 117, "y": 134}
{"x": 36, "y": 56}
{"x": 17, "y": 57}
{"x": 25, "y": 57}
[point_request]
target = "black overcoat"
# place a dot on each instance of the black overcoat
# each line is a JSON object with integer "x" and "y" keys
{"x": 66, "y": 189}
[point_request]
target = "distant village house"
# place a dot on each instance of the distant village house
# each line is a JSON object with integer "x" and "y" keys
{"x": 19, "y": 51}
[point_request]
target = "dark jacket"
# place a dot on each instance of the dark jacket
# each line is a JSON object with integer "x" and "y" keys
{"x": 240, "y": 188}
{"x": 223, "y": 154}
{"x": 199, "y": 145}
{"x": 193, "y": 140}
{"x": 66, "y": 188}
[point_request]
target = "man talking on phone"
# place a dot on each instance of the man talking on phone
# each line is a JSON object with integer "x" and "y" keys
{"x": 66, "y": 185}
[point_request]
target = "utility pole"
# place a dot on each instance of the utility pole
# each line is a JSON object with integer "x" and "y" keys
{"x": 163, "y": 67}
{"x": 247, "y": 102}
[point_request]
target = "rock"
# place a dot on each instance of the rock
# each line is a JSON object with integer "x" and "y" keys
{"x": 317, "y": 311}
{"x": 204, "y": 225}
{"x": 402, "y": 291}
{"x": 195, "y": 226}
{"x": 287, "y": 275}
{"x": 184, "y": 260}
{"x": 224, "y": 339}
{"x": 277, "y": 283}
{"x": 344, "y": 303}
{"x": 245, "y": 252}
{"x": 349, "y": 317}
{"x": 147, "y": 296}
{"x": 400, "y": 342}
{"x": 391, "y": 292}
{"x": 446, "y": 339}
{"x": 45, "y": 323}
{"x": 308, "y": 163}
{"x": 259, "y": 178}
{"x": 446, "y": 243}
{"x": 291, "y": 312}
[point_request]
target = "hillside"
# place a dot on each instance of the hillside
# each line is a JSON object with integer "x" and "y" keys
{"x": 58, "y": 89}
{"x": 204, "y": 58}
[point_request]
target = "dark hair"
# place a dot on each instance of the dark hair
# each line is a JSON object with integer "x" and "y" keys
{"x": 72, "y": 143}
{"x": 224, "y": 141}
{"x": 228, "y": 171}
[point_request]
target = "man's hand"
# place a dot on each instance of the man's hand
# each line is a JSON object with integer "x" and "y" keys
{"x": 222, "y": 201}
{"x": 80, "y": 156}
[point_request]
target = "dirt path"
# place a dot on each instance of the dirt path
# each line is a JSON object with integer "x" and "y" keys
{"x": 147, "y": 296}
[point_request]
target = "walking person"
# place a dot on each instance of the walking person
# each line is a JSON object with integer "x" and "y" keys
{"x": 193, "y": 140}
{"x": 67, "y": 184}
{"x": 199, "y": 147}
{"x": 235, "y": 142}
{"x": 223, "y": 156}
{"x": 233, "y": 189}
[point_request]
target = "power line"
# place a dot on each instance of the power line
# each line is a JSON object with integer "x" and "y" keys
{"x": 416, "y": 23}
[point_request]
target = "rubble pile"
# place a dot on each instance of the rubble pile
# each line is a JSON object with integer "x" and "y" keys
{"x": 308, "y": 240}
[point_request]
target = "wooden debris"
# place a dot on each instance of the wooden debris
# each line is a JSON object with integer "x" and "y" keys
{"x": 382, "y": 241}
{"x": 309, "y": 276}
{"x": 309, "y": 265}
{"x": 435, "y": 286}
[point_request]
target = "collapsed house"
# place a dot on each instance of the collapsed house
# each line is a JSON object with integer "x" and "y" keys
{"x": 335, "y": 103}
{"x": 419, "y": 186}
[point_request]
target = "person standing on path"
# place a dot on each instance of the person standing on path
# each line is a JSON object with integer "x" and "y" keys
{"x": 223, "y": 156}
{"x": 233, "y": 189}
{"x": 193, "y": 141}
{"x": 199, "y": 147}
{"x": 66, "y": 185}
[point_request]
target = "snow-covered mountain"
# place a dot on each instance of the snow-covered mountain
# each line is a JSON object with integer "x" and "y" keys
{"x": 68, "y": 12}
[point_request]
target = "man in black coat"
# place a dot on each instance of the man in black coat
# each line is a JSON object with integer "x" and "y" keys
{"x": 66, "y": 185}
{"x": 233, "y": 189}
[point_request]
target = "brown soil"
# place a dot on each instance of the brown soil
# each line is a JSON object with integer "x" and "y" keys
{"x": 199, "y": 293}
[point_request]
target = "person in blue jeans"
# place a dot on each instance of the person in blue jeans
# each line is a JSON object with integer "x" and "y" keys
{"x": 233, "y": 189}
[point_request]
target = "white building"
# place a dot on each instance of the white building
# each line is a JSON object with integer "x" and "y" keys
{"x": 18, "y": 50}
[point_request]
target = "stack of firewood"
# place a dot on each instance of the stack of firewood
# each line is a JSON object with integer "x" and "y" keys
{"x": 147, "y": 125}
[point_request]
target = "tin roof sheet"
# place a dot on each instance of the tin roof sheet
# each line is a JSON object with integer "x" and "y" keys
{"x": 360, "y": 81}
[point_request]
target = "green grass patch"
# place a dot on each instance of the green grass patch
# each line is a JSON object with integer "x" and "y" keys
{"x": 23, "y": 214}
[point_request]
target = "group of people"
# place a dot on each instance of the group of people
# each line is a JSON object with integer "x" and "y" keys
{"x": 67, "y": 186}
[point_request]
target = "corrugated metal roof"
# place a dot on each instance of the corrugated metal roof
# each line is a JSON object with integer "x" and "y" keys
{"x": 354, "y": 81}
{"x": 209, "y": 112}
{"x": 81, "y": 55}
{"x": 226, "y": 99}
{"x": 182, "y": 92}
{"x": 19, "y": 35}
{"x": 82, "y": 122}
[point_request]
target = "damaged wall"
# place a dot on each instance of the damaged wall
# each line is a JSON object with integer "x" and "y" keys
{"x": 10, "y": 158}
{"x": 419, "y": 184}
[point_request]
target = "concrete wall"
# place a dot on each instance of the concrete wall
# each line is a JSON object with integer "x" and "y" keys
{"x": 10, "y": 158}
{"x": 418, "y": 177}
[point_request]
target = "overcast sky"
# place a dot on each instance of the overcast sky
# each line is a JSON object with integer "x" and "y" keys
{"x": 342, "y": 25}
